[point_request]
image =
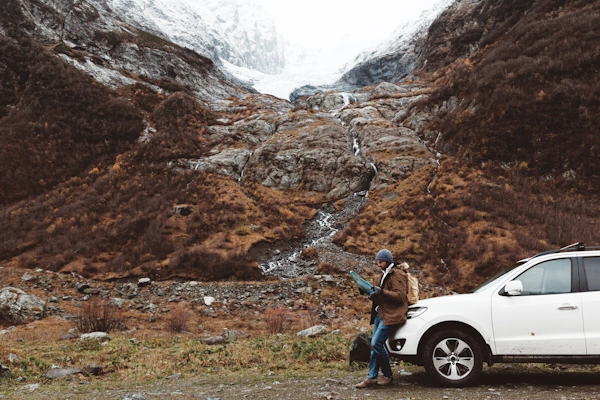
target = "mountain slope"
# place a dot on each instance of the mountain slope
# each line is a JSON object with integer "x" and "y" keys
{"x": 528, "y": 93}
{"x": 233, "y": 30}
{"x": 125, "y": 154}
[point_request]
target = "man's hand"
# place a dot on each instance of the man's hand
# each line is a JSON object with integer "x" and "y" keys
{"x": 376, "y": 291}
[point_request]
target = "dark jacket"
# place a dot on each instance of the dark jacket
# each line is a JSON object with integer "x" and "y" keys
{"x": 393, "y": 300}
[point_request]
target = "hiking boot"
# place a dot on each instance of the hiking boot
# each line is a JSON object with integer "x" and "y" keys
{"x": 367, "y": 383}
{"x": 385, "y": 380}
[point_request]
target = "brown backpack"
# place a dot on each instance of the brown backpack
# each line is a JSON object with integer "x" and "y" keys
{"x": 412, "y": 285}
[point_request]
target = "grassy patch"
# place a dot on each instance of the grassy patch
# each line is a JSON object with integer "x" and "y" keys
{"x": 130, "y": 361}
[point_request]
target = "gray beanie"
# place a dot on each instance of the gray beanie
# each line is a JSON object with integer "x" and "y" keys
{"x": 384, "y": 255}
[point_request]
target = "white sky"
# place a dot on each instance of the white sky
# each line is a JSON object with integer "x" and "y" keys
{"x": 322, "y": 24}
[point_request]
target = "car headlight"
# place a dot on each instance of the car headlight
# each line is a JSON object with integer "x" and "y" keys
{"x": 414, "y": 312}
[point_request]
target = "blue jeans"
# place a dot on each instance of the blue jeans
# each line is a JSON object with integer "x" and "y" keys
{"x": 379, "y": 356}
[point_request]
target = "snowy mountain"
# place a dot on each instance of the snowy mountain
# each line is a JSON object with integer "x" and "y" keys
{"x": 396, "y": 56}
{"x": 405, "y": 36}
{"x": 239, "y": 32}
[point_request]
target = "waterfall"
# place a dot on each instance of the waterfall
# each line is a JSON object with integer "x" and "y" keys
{"x": 348, "y": 98}
{"x": 244, "y": 168}
{"x": 355, "y": 146}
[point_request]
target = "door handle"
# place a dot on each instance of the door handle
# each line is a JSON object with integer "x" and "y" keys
{"x": 567, "y": 307}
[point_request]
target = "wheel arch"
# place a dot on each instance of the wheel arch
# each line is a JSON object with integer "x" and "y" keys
{"x": 485, "y": 348}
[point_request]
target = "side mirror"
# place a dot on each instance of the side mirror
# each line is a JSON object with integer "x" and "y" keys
{"x": 513, "y": 288}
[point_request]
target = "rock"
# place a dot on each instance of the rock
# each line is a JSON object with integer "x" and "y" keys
{"x": 208, "y": 300}
{"x": 217, "y": 339}
{"x": 193, "y": 283}
{"x": 13, "y": 358}
{"x": 118, "y": 302}
{"x": 56, "y": 373}
{"x": 31, "y": 388}
{"x": 99, "y": 336}
{"x": 305, "y": 290}
{"x": 306, "y": 90}
{"x": 183, "y": 210}
{"x": 144, "y": 281}
{"x": 313, "y": 331}
{"x": 213, "y": 340}
{"x": 19, "y": 307}
{"x": 360, "y": 348}
{"x": 27, "y": 277}
{"x": 134, "y": 396}
{"x": 228, "y": 162}
{"x": 94, "y": 369}
{"x": 82, "y": 287}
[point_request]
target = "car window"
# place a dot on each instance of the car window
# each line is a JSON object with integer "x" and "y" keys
{"x": 591, "y": 265}
{"x": 494, "y": 279}
{"x": 548, "y": 277}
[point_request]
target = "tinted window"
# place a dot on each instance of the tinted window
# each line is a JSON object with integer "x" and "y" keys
{"x": 548, "y": 277}
{"x": 591, "y": 265}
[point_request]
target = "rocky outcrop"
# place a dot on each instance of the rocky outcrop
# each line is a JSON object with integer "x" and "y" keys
{"x": 310, "y": 151}
{"x": 91, "y": 38}
{"x": 18, "y": 307}
{"x": 373, "y": 118}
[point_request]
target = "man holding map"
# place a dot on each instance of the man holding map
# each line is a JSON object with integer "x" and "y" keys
{"x": 390, "y": 303}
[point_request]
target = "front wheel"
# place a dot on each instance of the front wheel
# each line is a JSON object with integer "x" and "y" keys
{"x": 453, "y": 358}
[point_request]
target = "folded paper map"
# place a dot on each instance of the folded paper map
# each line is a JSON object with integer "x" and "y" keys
{"x": 361, "y": 283}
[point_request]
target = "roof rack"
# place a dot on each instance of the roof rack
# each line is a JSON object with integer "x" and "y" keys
{"x": 579, "y": 246}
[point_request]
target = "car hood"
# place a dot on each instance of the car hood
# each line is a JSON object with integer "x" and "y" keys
{"x": 444, "y": 299}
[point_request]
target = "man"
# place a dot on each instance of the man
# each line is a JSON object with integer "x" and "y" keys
{"x": 390, "y": 304}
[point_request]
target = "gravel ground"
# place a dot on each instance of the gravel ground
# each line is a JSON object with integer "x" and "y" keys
{"x": 499, "y": 382}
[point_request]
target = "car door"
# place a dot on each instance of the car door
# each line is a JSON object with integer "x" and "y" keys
{"x": 590, "y": 297}
{"x": 546, "y": 318}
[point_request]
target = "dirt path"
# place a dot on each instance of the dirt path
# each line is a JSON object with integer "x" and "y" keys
{"x": 499, "y": 382}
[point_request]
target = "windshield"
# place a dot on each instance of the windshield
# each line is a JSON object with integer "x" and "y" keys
{"x": 493, "y": 279}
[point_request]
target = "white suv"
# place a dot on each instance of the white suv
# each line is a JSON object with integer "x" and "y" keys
{"x": 545, "y": 309}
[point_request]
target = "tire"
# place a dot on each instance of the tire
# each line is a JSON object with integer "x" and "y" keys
{"x": 453, "y": 358}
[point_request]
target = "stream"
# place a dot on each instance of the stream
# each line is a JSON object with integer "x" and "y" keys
{"x": 289, "y": 263}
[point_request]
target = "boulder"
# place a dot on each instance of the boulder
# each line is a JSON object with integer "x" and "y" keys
{"x": 19, "y": 307}
{"x": 56, "y": 373}
{"x": 360, "y": 348}
{"x": 313, "y": 331}
{"x": 134, "y": 396}
{"x": 99, "y": 336}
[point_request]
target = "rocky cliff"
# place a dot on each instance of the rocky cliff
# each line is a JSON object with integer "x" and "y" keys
{"x": 236, "y": 31}
{"x": 124, "y": 154}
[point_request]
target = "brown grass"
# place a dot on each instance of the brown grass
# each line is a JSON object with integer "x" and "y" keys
{"x": 99, "y": 316}
{"x": 277, "y": 320}
{"x": 178, "y": 319}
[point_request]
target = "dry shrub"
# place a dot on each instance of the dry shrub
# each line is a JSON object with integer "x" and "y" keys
{"x": 310, "y": 319}
{"x": 179, "y": 319}
{"x": 309, "y": 253}
{"x": 99, "y": 316}
{"x": 329, "y": 269}
{"x": 277, "y": 319}
{"x": 211, "y": 264}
